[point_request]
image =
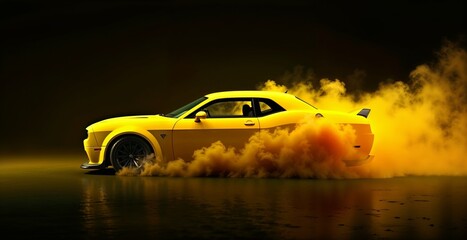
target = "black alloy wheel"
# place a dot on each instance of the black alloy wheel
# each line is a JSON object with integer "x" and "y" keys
{"x": 130, "y": 152}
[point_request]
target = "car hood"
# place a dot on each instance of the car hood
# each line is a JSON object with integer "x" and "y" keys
{"x": 143, "y": 121}
{"x": 127, "y": 117}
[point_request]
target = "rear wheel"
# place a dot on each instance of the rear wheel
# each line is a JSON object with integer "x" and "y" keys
{"x": 130, "y": 151}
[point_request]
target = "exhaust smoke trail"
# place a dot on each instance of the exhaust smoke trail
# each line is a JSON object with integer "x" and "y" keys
{"x": 420, "y": 128}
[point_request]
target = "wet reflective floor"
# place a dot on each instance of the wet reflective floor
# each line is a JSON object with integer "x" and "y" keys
{"x": 52, "y": 197}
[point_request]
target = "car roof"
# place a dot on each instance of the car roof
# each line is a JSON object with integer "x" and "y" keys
{"x": 286, "y": 100}
{"x": 249, "y": 93}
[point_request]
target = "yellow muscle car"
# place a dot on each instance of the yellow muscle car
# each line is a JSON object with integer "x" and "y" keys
{"x": 231, "y": 117}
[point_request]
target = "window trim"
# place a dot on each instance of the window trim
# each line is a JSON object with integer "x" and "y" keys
{"x": 266, "y": 100}
{"x": 192, "y": 114}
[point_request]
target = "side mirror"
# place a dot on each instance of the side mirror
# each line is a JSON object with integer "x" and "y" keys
{"x": 200, "y": 115}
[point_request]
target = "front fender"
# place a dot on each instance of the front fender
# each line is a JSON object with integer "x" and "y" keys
{"x": 130, "y": 130}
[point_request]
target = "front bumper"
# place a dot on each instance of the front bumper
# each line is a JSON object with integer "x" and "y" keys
{"x": 93, "y": 166}
{"x": 94, "y": 152}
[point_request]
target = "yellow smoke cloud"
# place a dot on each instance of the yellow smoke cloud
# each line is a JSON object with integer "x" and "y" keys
{"x": 420, "y": 128}
{"x": 314, "y": 149}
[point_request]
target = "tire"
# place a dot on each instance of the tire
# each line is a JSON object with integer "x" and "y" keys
{"x": 129, "y": 151}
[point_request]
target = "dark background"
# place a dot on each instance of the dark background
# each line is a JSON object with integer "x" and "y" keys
{"x": 66, "y": 65}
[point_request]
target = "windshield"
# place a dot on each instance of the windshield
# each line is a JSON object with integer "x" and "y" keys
{"x": 177, "y": 113}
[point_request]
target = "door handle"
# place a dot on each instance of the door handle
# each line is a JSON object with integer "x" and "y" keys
{"x": 249, "y": 123}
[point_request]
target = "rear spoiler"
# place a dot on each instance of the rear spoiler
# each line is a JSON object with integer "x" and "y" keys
{"x": 364, "y": 112}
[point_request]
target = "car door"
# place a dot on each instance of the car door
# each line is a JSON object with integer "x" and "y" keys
{"x": 231, "y": 121}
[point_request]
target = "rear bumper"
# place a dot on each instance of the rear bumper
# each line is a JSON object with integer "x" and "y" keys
{"x": 352, "y": 163}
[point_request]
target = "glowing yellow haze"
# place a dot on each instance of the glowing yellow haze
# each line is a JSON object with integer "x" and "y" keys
{"x": 420, "y": 129}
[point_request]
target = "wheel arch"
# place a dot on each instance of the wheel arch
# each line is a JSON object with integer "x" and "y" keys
{"x": 117, "y": 134}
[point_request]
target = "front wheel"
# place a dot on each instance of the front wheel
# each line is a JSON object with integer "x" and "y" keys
{"x": 129, "y": 152}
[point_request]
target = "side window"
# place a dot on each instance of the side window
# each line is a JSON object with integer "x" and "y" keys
{"x": 227, "y": 108}
{"x": 264, "y": 107}
{"x": 267, "y": 107}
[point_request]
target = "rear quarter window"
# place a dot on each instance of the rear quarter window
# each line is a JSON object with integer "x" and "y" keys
{"x": 266, "y": 107}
